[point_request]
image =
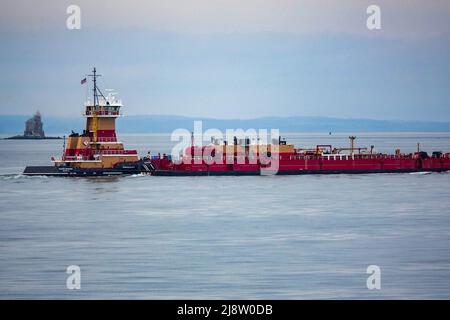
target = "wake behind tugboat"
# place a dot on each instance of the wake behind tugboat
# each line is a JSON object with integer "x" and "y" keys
{"x": 98, "y": 152}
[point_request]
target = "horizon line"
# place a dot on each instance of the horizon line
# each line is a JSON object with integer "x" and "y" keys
{"x": 240, "y": 119}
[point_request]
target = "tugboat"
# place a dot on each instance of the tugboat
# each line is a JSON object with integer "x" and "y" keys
{"x": 96, "y": 151}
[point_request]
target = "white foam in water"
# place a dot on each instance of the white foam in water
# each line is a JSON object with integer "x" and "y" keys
{"x": 421, "y": 172}
{"x": 138, "y": 175}
{"x": 20, "y": 176}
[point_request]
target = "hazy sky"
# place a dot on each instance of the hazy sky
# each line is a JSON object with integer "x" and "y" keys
{"x": 229, "y": 58}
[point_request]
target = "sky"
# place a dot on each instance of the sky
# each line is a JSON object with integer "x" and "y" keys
{"x": 230, "y": 59}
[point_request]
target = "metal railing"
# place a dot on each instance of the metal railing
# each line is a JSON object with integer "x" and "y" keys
{"x": 117, "y": 152}
{"x": 106, "y": 139}
{"x": 103, "y": 113}
{"x": 77, "y": 158}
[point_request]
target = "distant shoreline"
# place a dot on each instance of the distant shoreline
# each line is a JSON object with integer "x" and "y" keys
{"x": 167, "y": 124}
{"x": 31, "y": 138}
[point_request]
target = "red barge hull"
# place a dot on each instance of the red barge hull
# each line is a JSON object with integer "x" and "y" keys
{"x": 173, "y": 173}
{"x": 292, "y": 164}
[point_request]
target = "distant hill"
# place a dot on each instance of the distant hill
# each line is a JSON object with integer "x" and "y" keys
{"x": 10, "y": 124}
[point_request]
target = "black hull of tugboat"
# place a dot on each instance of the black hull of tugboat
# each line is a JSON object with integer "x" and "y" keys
{"x": 123, "y": 169}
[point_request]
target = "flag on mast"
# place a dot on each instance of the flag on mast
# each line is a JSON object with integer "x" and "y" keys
{"x": 83, "y": 81}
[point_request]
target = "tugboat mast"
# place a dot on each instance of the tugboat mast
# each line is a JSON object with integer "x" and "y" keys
{"x": 94, "y": 76}
{"x": 96, "y": 106}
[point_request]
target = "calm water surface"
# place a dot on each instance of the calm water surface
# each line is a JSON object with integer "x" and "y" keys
{"x": 292, "y": 237}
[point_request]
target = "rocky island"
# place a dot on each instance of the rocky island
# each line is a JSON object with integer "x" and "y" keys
{"x": 34, "y": 129}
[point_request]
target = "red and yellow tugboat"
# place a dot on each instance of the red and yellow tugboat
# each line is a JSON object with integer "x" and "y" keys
{"x": 96, "y": 151}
